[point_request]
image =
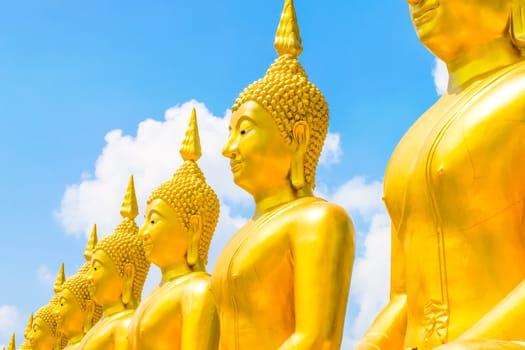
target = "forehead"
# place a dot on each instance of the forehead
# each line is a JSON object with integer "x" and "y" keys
{"x": 40, "y": 322}
{"x": 158, "y": 205}
{"x": 66, "y": 294}
{"x": 252, "y": 110}
{"x": 102, "y": 257}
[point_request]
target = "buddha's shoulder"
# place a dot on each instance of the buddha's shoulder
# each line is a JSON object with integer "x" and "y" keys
{"x": 504, "y": 97}
{"x": 197, "y": 290}
{"x": 314, "y": 208}
{"x": 319, "y": 213}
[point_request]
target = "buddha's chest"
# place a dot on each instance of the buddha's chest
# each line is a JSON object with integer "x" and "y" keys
{"x": 100, "y": 337}
{"x": 448, "y": 168}
{"x": 158, "y": 321}
{"x": 256, "y": 266}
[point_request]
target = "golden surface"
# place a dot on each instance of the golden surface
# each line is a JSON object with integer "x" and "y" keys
{"x": 180, "y": 219}
{"x": 75, "y": 312}
{"x": 282, "y": 281}
{"x": 44, "y": 333}
{"x": 455, "y": 190}
{"x": 116, "y": 277}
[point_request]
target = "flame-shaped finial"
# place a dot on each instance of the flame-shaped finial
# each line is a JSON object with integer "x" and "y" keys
{"x": 61, "y": 277}
{"x": 191, "y": 145}
{"x": 11, "y": 345}
{"x": 29, "y": 326}
{"x": 130, "y": 208}
{"x": 92, "y": 242}
{"x": 287, "y": 37}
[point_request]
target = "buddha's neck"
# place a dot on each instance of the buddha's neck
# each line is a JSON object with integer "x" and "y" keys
{"x": 114, "y": 309}
{"x": 75, "y": 339}
{"x": 480, "y": 60}
{"x": 174, "y": 271}
{"x": 273, "y": 197}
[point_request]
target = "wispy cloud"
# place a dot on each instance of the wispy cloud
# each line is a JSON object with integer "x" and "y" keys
{"x": 45, "y": 276}
{"x": 331, "y": 153}
{"x": 440, "y": 74}
{"x": 9, "y": 322}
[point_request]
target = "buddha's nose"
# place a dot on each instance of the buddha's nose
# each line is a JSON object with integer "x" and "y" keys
{"x": 230, "y": 147}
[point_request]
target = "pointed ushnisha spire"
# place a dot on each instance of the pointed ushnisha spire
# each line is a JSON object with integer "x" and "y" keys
{"x": 191, "y": 145}
{"x": 287, "y": 37}
{"x": 11, "y": 345}
{"x": 29, "y": 326}
{"x": 90, "y": 247}
{"x": 60, "y": 279}
{"x": 130, "y": 208}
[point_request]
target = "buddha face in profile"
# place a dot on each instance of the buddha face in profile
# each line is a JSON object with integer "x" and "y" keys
{"x": 105, "y": 282}
{"x": 448, "y": 27}
{"x": 163, "y": 233}
{"x": 69, "y": 314}
{"x": 260, "y": 159}
{"x": 41, "y": 335}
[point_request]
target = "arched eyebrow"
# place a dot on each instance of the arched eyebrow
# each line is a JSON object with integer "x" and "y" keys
{"x": 243, "y": 118}
{"x": 153, "y": 211}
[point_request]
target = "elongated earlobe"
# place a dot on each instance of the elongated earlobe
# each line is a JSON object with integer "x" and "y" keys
{"x": 195, "y": 235}
{"x": 517, "y": 25}
{"x": 129, "y": 274}
{"x": 90, "y": 311}
{"x": 301, "y": 136}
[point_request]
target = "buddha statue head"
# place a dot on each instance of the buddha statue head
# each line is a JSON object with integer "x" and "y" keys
{"x": 118, "y": 266}
{"x": 285, "y": 103}
{"x": 76, "y": 312}
{"x": 449, "y": 28}
{"x": 44, "y": 335}
{"x": 182, "y": 212}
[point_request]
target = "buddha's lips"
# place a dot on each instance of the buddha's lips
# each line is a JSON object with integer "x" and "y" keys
{"x": 425, "y": 14}
{"x": 235, "y": 165}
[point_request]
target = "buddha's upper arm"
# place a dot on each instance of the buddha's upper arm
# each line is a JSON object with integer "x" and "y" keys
{"x": 200, "y": 323}
{"x": 323, "y": 253}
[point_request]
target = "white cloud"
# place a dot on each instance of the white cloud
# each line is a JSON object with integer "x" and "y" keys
{"x": 152, "y": 156}
{"x": 359, "y": 197}
{"x": 45, "y": 276}
{"x": 332, "y": 151}
{"x": 9, "y": 322}
{"x": 440, "y": 74}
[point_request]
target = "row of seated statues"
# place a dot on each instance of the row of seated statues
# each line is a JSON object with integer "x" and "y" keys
{"x": 454, "y": 189}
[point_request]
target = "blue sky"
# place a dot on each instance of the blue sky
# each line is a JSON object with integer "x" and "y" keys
{"x": 73, "y": 72}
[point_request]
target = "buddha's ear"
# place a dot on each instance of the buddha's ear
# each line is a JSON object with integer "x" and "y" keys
{"x": 301, "y": 137}
{"x": 195, "y": 229}
{"x": 129, "y": 275}
{"x": 517, "y": 24}
{"x": 88, "y": 319}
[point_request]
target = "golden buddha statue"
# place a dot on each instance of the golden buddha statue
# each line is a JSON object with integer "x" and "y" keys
{"x": 43, "y": 334}
{"x": 75, "y": 311}
{"x": 180, "y": 220}
{"x": 116, "y": 277}
{"x": 455, "y": 192}
{"x": 282, "y": 281}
